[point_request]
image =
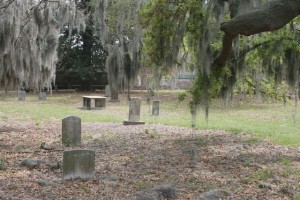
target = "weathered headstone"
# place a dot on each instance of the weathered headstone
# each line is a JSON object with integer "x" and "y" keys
{"x": 107, "y": 91}
{"x": 79, "y": 164}
{"x": 134, "y": 109}
{"x": 42, "y": 96}
{"x": 71, "y": 131}
{"x": 134, "y": 112}
{"x": 155, "y": 108}
{"x": 21, "y": 95}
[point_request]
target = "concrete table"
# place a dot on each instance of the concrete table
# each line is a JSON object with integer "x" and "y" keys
{"x": 100, "y": 102}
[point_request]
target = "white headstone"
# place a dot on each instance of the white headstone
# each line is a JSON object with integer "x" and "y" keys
{"x": 138, "y": 81}
{"x": 107, "y": 91}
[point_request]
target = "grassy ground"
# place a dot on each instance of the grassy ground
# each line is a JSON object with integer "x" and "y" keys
{"x": 131, "y": 160}
{"x": 272, "y": 121}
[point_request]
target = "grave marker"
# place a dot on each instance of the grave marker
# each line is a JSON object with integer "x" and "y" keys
{"x": 71, "y": 131}
{"x": 155, "y": 108}
{"x": 21, "y": 95}
{"x": 134, "y": 112}
{"x": 107, "y": 91}
{"x": 79, "y": 164}
{"x": 42, "y": 96}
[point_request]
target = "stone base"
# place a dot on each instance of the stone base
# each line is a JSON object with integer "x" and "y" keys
{"x": 133, "y": 123}
{"x": 113, "y": 100}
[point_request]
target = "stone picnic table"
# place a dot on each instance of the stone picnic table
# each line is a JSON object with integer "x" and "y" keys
{"x": 100, "y": 102}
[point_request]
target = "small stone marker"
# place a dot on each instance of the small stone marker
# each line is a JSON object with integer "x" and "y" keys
{"x": 155, "y": 108}
{"x": 71, "y": 131}
{"x": 134, "y": 112}
{"x": 21, "y": 95}
{"x": 79, "y": 164}
{"x": 42, "y": 96}
{"x": 157, "y": 193}
{"x": 107, "y": 91}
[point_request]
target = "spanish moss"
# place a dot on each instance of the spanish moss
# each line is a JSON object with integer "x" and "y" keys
{"x": 29, "y": 33}
{"x": 120, "y": 28}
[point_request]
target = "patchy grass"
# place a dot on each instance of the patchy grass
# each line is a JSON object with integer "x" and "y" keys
{"x": 2, "y": 163}
{"x": 264, "y": 174}
{"x": 297, "y": 196}
{"x": 270, "y": 121}
{"x": 285, "y": 160}
{"x": 251, "y": 140}
{"x": 134, "y": 158}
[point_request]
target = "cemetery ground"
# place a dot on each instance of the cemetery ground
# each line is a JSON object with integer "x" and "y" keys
{"x": 249, "y": 151}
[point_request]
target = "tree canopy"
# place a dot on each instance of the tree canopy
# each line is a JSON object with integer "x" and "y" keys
{"x": 206, "y": 35}
{"x": 211, "y": 36}
{"x": 82, "y": 54}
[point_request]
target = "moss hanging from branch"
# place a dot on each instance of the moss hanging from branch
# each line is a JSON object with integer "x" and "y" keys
{"x": 29, "y": 32}
{"x": 119, "y": 27}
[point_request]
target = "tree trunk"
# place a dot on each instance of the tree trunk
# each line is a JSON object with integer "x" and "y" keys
{"x": 128, "y": 89}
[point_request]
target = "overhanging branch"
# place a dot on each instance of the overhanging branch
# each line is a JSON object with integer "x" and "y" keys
{"x": 272, "y": 16}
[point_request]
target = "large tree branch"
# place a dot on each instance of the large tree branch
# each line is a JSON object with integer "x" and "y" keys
{"x": 271, "y": 16}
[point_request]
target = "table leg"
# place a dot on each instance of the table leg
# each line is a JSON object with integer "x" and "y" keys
{"x": 100, "y": 103}
{"x": 87, "y": 103}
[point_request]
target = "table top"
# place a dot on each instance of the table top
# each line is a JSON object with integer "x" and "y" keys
{"x": 94, "y": 97}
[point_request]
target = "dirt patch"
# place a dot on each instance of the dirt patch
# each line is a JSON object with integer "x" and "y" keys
{"x": 131, "y": 159}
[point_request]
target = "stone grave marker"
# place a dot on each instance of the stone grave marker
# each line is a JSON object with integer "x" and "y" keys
{"x": 42, "y": 96}
{"x": 134, "y": 112}
{"x": 107, "y": 91}
{"x": 71, "y": 131}
{"x": 21, "y": 95}
{"x": 155, "y": 108}
{"x": 79, "y": 164}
